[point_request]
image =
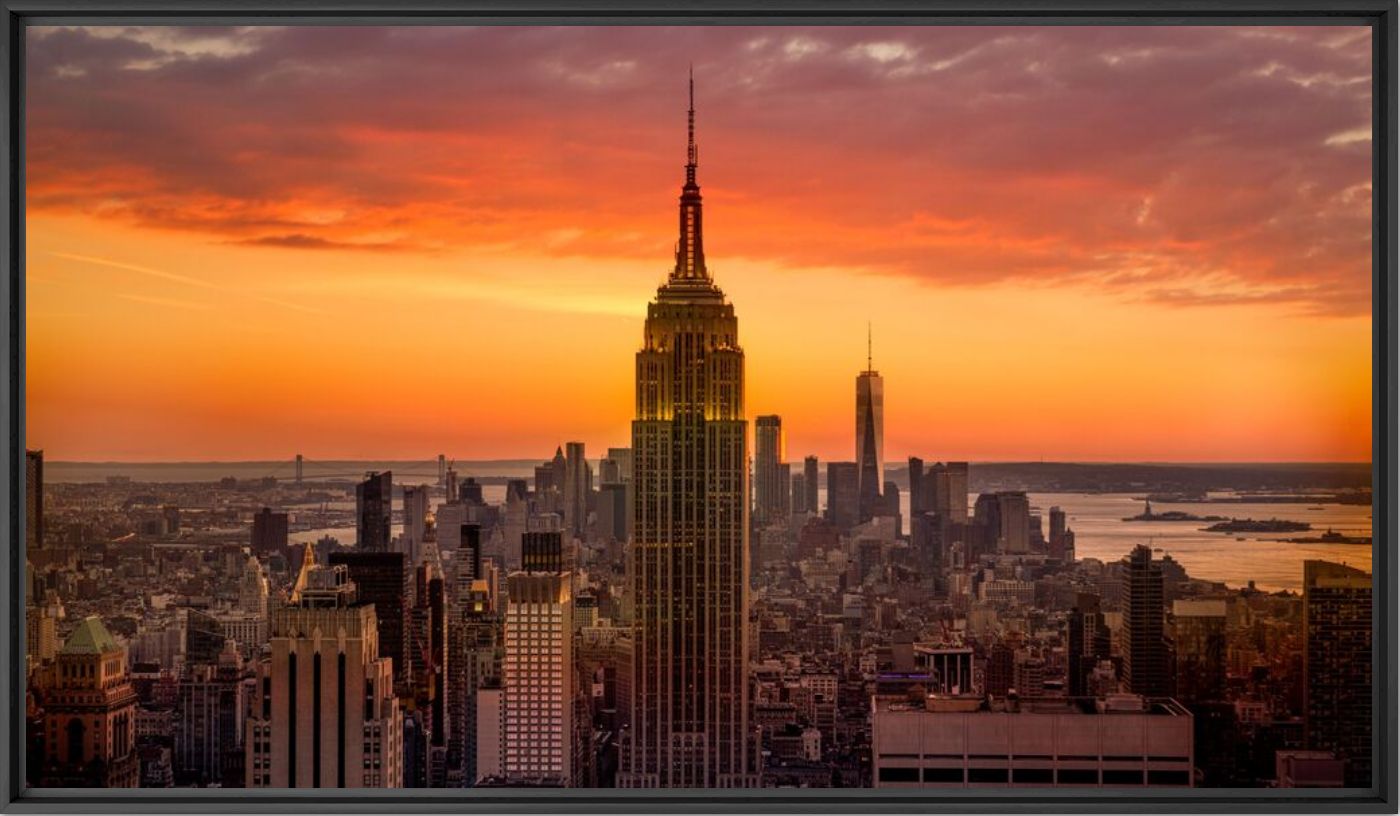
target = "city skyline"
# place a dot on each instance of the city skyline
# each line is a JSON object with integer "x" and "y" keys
{"x": 693, "y": 613}
{"x": 987, "y": 277}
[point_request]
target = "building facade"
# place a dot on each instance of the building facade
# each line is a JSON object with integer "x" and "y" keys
{"x": 690, "y": 718}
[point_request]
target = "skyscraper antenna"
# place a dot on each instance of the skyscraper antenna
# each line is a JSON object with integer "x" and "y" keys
{"x": 869, "y": 348}
{"x": 690, "y": 140}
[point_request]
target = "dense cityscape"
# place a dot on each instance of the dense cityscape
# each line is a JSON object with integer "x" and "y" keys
{"x": 692, "y": 610}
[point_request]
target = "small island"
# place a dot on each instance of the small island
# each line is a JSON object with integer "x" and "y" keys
{"x": 1170, "y": 515}
{"x": 1330, "y": 537}
{"x": 1257, "y": 526}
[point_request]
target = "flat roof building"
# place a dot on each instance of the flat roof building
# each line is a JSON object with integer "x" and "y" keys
{"x": 951, "y": 742}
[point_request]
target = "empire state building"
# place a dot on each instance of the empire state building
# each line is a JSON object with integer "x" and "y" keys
{"x": 690, "y": 712}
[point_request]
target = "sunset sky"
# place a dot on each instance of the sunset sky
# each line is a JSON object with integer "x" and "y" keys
{"x": 1145, "y": 243}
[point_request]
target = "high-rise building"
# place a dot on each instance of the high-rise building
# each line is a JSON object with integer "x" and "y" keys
{"x": 956, "y": 475}
{"x": 33, "y": 499}
{"x": 1014, "y": 515}
{"x": 209, "y": 726}
{"x": 1087, "y": 643}
{"x": 269, "y": 533}
{"x": 382, "y": 581}
{"x": 578, "y": 483}
{"x": 843, "y": 494}
{"x": 870, "y": 438}
{"x": 690, "y": 718}
{"x": 324, "y": 714}
{"x": 799, "y": 492}
{"x": 431, "y": 669}
{"x": 810, "y": 477}
{"x": 1147, "y": 664}
{"x": 89, "y": 709}
{"x": 917, "y": 501}
{"x": 1198, "y": 638}
{"x": 538, "y": 683}
{"x": 478, "y": 651}
{"x": 373, "y": 511}
{"x": 1337, "y": 665}
{"x": 770, "y": 490}
{"x": 415, "y": 522}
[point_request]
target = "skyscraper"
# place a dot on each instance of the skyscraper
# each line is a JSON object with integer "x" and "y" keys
{"x": 269, "y": 532}
{"x": 538, "y": 682}
{"x": 870, "y": 437}
{"x": 810, "y": 477}
{"x": 690, "y": 717}
{"x": 324, "y": 714}
{"x": 89, "y": 713}
{"x": 1198, "y": 637}
{"x": 1337, "y": 665}
{"x": 1087, "y": 643}
{"x": 917, "y": 502}
{"x": 33, "y": 499}
{"x": 415, "y": 522}
{"x": 770, "y": 490}
{"x": 1147, "y": 669}
{"x": 843, "y": 494}
{"x": 382, "y": 580}
{"x": 373, "y": 511}
{"x": 578, "y": 482}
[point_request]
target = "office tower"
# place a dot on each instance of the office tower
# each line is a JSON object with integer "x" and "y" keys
{"x": 799, "y": 492}
{"x": 917, "y": 502}
{"x": 269, "y": 533}
{"x": 373, "y": 511}
{"x": 1087, "y": 643}
{"x": 621, "y": 458}
{"x": 253, "y": 589}
{"x": 89, "y": 709}
{"x": 41, "y": 628}
{"x": 843, "y": 494}
{"x": 1337, "y": 665}
{"x": 450, "y": 485}
{"x": 469, "y": 492}
{"x": 381, "y": 581}
{"x": 298, "y": 468}
{"x": 542, "y": 551}
{"x": 324, "y": 714}
{"x": 431, "y": 670}
{"x": 956, "y": 475}
{"x": 1058, "y": 539}
{"x": 577, "y": 484}
{"x": 770, "y": 491}
{"x": 690, "y": 725}
{"x": 612, "y": 512}
{"x": 1198, "y": 637}
{"x": 209, "y": 726}
{"x": 33, "y": 499}
{"x": 1014, "y": 515}
{"x": 810, "y": 477}
{"x": 478, "y": 649}
{"x": 415, "y": 522}
{"x": 442, "y": 470}
{"x": 1147, "y": 669}
{"x": 537, "y": 675}
{"x": 870, "y": 437}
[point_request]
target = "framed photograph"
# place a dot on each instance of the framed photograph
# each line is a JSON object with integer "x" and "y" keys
{"x": 650, "y": 407}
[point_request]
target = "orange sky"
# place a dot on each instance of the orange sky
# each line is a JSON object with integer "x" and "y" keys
{"x": 1073, "y": 243}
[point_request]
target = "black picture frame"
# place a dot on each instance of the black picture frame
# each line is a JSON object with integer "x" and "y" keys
{"x": 1379, "y": 14}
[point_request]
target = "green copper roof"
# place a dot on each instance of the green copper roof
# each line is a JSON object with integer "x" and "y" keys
{"x": 91, "y": 637}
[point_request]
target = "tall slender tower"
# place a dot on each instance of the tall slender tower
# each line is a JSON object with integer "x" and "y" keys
{"x": 690, "y": 715}
{"x": 870, "y": 435}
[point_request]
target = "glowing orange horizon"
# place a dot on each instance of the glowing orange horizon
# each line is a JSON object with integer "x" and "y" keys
{"x": 246, "y": 245}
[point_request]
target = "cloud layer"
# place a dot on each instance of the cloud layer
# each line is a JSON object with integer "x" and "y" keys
{"x": 1185, "y": 166}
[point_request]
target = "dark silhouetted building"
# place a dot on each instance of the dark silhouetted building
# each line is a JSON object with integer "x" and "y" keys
{"x": 1337, "y": 665}
{"x": 373, "y": 511}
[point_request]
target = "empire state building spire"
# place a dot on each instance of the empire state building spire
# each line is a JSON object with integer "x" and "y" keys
{"x": 690, "y": 250}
